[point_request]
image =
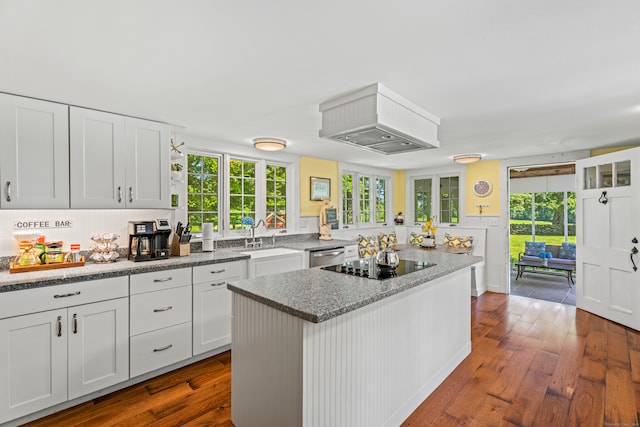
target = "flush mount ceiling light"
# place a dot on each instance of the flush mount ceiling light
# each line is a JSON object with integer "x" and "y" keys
{"x": 269, "y": 144}
{"x": 467, "y": 158}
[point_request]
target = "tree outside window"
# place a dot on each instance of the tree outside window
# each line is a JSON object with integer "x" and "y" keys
{"x": 449, "y": 194}
{"x": 381, "y": 200}
{"x": 422, "y": 199}
{"x": 242, "y": 192}
{"x": 203, "y": 178}
{"x": 276, "y": 203}
{"x": 347, "y": 198}
{"x": 365, "y": 199}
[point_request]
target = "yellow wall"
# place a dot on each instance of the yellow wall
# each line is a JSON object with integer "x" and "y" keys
{"x": 319, "y": 168}
{"x": 488, "y": 170}
{"x": 600, "y": 151}
{"x": 398, "y": 192}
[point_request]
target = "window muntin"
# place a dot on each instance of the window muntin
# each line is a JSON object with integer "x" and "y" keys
{"x": 242, "y": 192}
{"x": 276, "y": 198}
{"x": 422, "y": 199}
{"x": 449, "y": 199}
{"x": 203, "y": 190}
{"x": 348, "y": 190}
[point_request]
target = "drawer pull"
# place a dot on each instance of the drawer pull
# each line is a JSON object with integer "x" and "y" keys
{"x": 219, "y": 284}
{"x": 166, "y": 279}
{"x": 218, "y": 271}
{"x": 166, "y": 347}
{"x": 59, "y": 326}
{"x": 158, "y": 310}
{"x": 75, "y": 323}
{"x": 71, "y": 294}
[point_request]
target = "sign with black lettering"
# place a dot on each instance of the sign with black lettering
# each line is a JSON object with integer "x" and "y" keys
{"x": 41, "y": 223}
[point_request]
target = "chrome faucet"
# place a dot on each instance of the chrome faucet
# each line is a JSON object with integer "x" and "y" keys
{"x": 253, "y": 243}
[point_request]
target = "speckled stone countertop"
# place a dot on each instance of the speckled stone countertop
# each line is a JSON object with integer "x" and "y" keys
{"x": 92, "y": 271}
{"x": 318, "y": 295}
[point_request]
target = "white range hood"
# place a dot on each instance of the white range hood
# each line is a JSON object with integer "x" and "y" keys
{"x": 377, "y": 119}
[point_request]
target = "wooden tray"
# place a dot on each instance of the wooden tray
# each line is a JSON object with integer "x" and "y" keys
{"x": 41, "y": 267}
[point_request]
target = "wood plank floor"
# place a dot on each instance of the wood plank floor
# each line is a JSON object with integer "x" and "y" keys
{"x": 533, "y": 363}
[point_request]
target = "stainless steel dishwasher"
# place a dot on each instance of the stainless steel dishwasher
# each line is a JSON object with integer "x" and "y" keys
{"x": 323, "y": 257}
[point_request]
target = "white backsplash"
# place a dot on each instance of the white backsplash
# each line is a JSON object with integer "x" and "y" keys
{"x": 85, "y": 223}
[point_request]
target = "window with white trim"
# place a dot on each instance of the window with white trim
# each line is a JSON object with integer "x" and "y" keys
{"x": 203, "y": 190}
{"x": 436, "y": 197}
{"x": 363, "y": 199}
{"x": 276, "y": 199}
{"x": 242, "y": 192}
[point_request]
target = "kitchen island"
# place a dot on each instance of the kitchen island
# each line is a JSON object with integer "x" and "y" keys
{"x": 317, "y": 348}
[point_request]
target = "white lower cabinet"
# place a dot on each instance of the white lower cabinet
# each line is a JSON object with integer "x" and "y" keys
{"x": 212, "y": 304}
{"x": 160, "y": 318}
{"x": 55, "y": 355}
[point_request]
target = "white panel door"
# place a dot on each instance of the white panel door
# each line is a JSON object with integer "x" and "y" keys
{"x": 211, "y": 315}
{"x": 33, "y": 363}
{"x": 607, "y": 231}
{"x": 34, "y": 165}
{"x": 148, "y": 164}
{"x": 98, "y": 336}
{"x": 97, "y": 159}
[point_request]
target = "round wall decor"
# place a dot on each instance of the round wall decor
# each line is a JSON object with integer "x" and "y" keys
{"x": 482, "y": 188}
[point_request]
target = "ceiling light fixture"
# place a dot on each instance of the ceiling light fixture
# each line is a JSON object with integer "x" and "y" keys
{"x": 269, "y": 144}
{"x": 467, "y": 158}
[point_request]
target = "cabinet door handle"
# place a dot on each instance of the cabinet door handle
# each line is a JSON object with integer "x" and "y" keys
{"x": 130, "y": 194}
{"x": 166, "y": 347}
{"x": 59, "y": 326}
{"x": 158, "y": 310}
{"x": 166, "y": 279}
{"x": 119, "y": 194}
{"x": 219, "y": 284}
{"x": 218, "y": 271}
{"x": 8, "y": 191}
{"x": 70, "y": 294}
{"x": 75, "y": 323}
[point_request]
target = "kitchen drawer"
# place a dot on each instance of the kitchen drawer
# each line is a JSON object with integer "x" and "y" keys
{"x": 223, "y": 270}
{"x": 156, "y": 310}
{"x": 17, "y": 303}
{"x": 158, "y": 280}
{"x": 157, "y": 349}
{"x": 351, "y": 253}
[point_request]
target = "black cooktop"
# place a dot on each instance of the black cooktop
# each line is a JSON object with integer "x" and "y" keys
{"x": 369, "y": 268}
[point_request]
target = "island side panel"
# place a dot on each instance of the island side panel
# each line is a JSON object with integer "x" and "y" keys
{"x": 375, "y": 365}
{"x": 266, "y": 365}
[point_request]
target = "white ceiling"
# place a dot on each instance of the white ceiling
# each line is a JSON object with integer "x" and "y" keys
{"x": 507, "y": 78}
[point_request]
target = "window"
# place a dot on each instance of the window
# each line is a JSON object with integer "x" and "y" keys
{"x": 276, "y": 206}
{"x": 422, "y": 199}
{"x": 449, "y": 199}
{"x": 436, "y": 197}
{"x": 242, "y": 192}
{"x": 381, "y": 200}
{"x": 203, "y": 177}
{"x": 370, "y": 204}
{"x": 348, "y": 191}
{"x": 365, "y": 199}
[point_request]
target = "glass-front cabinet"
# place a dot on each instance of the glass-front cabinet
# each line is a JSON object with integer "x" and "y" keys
{"x": 608, "y": 175}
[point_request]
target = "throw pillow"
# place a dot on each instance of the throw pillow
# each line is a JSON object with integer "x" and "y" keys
{"x": 389, "y": 240}
{"x": 416, "y": 239}
{"x": 463, "y": 242}
{"x": 367, "y": 246}
{"x": 567, "y": 251}
{"x": 534, "y": 248}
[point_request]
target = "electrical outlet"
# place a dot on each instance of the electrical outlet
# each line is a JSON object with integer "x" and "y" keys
{"x": 494, "y": 222}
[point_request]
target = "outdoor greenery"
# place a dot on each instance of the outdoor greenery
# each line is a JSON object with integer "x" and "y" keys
{"x": 202, "y": 191}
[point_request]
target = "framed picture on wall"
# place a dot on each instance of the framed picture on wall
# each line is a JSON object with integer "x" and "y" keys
{"x": 320, "y": 188}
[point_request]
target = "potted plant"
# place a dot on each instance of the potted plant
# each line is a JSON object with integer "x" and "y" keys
{"x": 544, "y": 258}
{"x": 176, "y": 171}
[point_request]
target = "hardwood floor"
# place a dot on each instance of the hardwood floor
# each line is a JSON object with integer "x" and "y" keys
{"x": 533, "y": 363}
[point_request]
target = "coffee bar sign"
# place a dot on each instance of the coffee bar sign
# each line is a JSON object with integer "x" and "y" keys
{"x": 44, "y": 223}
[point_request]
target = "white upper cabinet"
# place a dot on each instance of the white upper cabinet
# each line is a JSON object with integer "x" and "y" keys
{"x": 97, "y": 146}
{"x": 148, "y": 164}
{"x": 117, "y": 161}
{"x": 34, "y": 165}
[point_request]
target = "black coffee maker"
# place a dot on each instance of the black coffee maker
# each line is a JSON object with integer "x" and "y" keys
{"x": 149, "y": 240}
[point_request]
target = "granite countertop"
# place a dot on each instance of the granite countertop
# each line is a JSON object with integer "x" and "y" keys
{"x": 318, "y": 295}
{"x": 93, "y": 271}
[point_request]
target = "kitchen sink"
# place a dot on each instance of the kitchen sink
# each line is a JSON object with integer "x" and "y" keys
{"x": 263, "y": 253}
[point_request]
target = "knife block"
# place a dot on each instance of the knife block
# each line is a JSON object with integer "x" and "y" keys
{"x": 179, "y": 249}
